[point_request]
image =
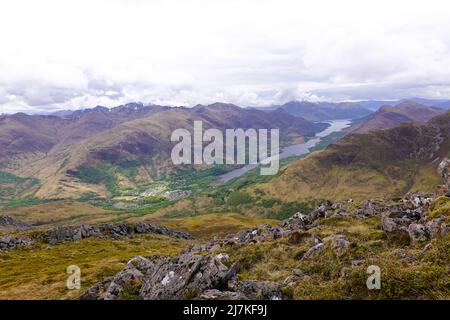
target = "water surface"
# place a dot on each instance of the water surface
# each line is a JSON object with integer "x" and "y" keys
{"x": 293, "y": 150}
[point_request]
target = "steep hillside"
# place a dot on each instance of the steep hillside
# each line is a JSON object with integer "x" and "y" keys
{"x": 387, "y": 162}
{"x": 99, "y": 151}
{"x": 390, "y": 116}
{"x": 320, "y": 111}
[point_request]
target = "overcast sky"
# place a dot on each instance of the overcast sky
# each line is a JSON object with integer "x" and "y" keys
{"x": 76, "y": 53}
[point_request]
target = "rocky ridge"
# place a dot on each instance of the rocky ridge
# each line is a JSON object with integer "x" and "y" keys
{"x": 75, "y": 233}
{"x": 109, "y": 230}
{"x": 199, "y": 272}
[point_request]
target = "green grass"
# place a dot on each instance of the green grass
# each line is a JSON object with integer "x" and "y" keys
{"x": 424, "y": 276}
{"x": 440, "y": 207}
{"x": 26, "y": 201}
{"x": 40, "y": 272}
{"x": 237, "y": 198}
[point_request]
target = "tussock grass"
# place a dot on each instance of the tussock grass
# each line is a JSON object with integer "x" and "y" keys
{"x": 217, "y": 224}
{"x": 408, "y": 272}
{"x": 39, "y": 272}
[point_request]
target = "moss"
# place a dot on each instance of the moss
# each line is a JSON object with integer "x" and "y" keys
{"x": 191, "y": 293}
{"x": 440, "y": 207}
{"x": 131, "y": 291}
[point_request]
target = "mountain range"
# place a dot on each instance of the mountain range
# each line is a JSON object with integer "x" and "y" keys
{"x": 382, "y": 162}
{"x": 91, "y": 186}
{"x": 390, "y": 116}
{"x": 86, "y": 150}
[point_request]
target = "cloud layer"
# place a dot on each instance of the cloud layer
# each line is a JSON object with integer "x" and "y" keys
{"x": 74, "y": 54}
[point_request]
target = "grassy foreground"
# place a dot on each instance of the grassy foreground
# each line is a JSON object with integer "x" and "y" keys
{"x": 407, "y": 272}
{"x": 39, "y": 272}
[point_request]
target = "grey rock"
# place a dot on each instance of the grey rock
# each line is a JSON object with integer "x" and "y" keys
{"x": 214, "y": 294}
{"x": 12, "y": 242}
{"x": 109, "y": 230}
{"x": 183, "y": 277}
{"x": 8, "y": 223}
{"x": 357, "y": 262}
{"x": 96, "y": 292}
{"x": 258, "y": 290}
{"x": 433, "y": 227}
{"x": 395, "y": 229}
{"x": 130, "y": 276}
{"x": 313, "y": 250}
{"x": 445, "y": 229}
{"x": 417, "y": 232}
{"x": 340, "y": 245}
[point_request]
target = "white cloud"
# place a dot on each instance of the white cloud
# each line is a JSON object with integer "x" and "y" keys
{"x": 72, "y": 54}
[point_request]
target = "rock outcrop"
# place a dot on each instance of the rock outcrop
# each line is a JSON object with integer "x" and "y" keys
{"x": 187, "y": 276}
{"x": 110, "y": 230}
{"x": 11, "y": 242}
{"x": 199, "y": 272}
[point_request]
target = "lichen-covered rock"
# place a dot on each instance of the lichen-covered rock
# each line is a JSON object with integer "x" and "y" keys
{"x": 184, "y": 277}
{"x": 445, "y": 229}
{"x": 97, "y": 291}
{"x": 434, "y": 227}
